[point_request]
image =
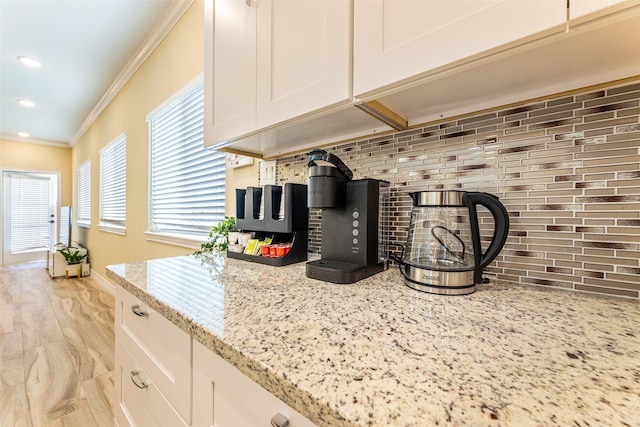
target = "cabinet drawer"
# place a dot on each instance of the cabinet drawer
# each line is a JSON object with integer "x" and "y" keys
{"x": 140, "y": 407}
{"x": 224, "y": 397}
{"x": 161, "y": 348}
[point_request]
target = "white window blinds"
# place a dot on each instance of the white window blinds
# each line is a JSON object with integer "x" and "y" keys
{"x": 187, "y": 181}
{"x": 84, "y": 194}
{"x": 30, "y": 215}
{"x": 113, "y": 186}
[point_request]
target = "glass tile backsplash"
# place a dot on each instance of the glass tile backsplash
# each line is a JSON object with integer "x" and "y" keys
{"x": 567, "y": 169}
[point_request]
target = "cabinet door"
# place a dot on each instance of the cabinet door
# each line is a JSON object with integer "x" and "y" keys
{"x": 398, "y": 39}
{"x": 138, "y": 401}
{"x": 161, "y": 349}
{"x": 224, "y": 397}
{"x": 578, "y": 8}
{"x": 303, "y": 57}
{"x": 230, "y": 70}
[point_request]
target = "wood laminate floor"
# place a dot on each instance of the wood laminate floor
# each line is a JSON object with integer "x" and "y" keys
{"x": 56, "y": 350}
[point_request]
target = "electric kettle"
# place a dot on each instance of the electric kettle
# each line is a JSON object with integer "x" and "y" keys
{"x": 443, "y": 254}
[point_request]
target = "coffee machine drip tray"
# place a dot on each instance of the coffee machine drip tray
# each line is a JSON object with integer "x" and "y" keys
{"x": 340, "y": 272}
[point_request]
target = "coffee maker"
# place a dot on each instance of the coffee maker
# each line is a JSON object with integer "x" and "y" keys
{"x": 355, "y": 221}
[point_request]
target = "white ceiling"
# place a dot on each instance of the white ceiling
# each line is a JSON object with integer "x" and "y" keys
{"x": 88, "y": 49}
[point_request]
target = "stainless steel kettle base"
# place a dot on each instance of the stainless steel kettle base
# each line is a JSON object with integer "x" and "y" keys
{"x": 438, "y": 282}
{"x": 442, "y": 290}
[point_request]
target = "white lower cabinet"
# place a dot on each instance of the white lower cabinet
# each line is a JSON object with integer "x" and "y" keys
{"x": 164, "y": 378}
{"x": 139, "y": 401}
{"x": 224, "y": 397}
{"x": 153, "y": 367}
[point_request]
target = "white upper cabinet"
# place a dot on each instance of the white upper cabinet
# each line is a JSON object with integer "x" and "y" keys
{"x": 230, "y": 70}
{"x": 395, "y": 40}
{"x": 578, "y": 8}
{"x": 304, "y": 57}
{"x": 269, "y": 61}
{"x": 282, "y": 76}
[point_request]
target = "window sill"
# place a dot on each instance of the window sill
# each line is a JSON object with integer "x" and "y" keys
{"x": 83, "y": 224}
{"x": 110, "y": 228}
{"x": 182, "y": 240}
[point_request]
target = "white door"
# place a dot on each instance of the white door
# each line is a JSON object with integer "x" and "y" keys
{"x": 230, "y": 70}
{"x": 304, "y": 58}
{"x": 29, "y": 203}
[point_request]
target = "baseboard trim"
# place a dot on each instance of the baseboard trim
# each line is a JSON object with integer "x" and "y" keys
{"x": 103, "y": 282}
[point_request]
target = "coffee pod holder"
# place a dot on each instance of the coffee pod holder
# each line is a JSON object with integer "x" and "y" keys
{"x": 290, "y": 224}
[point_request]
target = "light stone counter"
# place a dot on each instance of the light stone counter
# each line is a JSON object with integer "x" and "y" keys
{"x": 379, "y": 353}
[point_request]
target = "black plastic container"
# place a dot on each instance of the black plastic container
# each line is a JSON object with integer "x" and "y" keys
{"x": 297, "y": 253}
{"x": 292, "y": 227}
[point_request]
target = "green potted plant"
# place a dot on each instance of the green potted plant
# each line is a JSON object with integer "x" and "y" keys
{"x": 74, "y": 259}
{"x": 72, "y": 255}
{"x": 219, "y": 236}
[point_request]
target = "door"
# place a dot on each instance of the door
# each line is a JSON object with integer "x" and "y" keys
{"x": 29, "y": 203}
{"x": 230, "y": 70}
{"x": 303, "y": 58}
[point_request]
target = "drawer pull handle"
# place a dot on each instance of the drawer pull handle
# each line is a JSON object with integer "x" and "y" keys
{"x": 138, "y": 384}
{"x": 136, "y": 310}
{"x": 279, "y": 420}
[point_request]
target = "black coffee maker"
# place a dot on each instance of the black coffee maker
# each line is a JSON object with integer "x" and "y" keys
{"x": 355, "y": 221}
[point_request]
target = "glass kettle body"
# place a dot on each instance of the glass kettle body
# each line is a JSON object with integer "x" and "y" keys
{"x": 443, "y": 254}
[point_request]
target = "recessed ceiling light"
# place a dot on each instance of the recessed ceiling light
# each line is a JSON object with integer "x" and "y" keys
{"x": 26, "y": 103}
{"x": 23, "y": 134}
{"x": 29, "y": 62}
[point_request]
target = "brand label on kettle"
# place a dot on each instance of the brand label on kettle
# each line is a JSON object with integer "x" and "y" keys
{"x": 430, "y": 277}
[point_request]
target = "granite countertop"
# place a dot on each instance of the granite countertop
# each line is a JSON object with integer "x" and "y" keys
{"x": 378, "y": 353}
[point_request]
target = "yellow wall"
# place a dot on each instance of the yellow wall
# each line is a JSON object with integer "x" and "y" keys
{"x": 176, "y": 62}
{"x": 37, "y": 157}
{"x": 246, "y": 176}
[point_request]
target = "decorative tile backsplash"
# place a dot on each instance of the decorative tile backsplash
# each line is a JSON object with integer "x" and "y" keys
{"x": 567, "y": 169}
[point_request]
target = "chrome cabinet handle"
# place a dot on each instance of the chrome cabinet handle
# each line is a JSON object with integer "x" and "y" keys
{"x": 136, "y": 310}
{"x": 139, "y": 384}
{"x": 279, "y": 420}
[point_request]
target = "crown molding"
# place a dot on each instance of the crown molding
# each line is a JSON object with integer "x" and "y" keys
{"x": 173, "y": 13}
{"x": 29, "y": 140}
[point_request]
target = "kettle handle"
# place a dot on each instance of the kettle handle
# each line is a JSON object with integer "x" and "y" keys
{"x": 500, "y": 229}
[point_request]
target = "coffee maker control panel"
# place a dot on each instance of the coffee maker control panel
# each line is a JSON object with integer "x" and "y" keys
{"x": 349, "y": 234}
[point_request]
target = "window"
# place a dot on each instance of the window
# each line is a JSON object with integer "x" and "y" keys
{"x": 84, "y": 194}
{"x": 113, "y": 186}
{"x": 187, "y": 181}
